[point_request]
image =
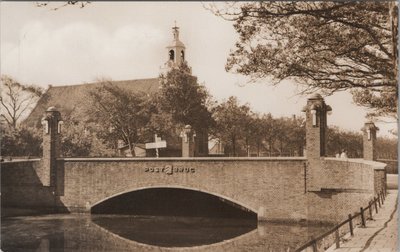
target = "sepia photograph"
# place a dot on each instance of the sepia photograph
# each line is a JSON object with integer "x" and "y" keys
{"x": 259, "y": 126}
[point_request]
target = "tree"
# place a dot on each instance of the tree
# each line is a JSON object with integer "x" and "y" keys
{"x": 270, "y": 132}
{"x": 290, "y": 135}
{"x": 231, "y": 121}
{"x": 247, "y": 133}
{"x": 119, "y": 115}
{"x": 184, "y": 99}
{"x": 17, "y": 100}
{"x": 339, "y": 139}
{"x": 81, "y": 4}
{"x": 21, "y": 142}
{"x": 254, "y": 133}
{"x": 327, "y": 46}
{"x": 386, "y": 148}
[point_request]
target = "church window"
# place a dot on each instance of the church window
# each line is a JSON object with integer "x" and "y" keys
{"x": 171, "y": 54}
{"x": 182, "y": 55}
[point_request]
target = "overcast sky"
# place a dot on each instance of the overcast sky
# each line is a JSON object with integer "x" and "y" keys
{"x": 127, "y": 40}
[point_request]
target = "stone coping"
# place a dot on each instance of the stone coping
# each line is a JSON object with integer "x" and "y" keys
{"x": 178, "y": 159}
{"x": 21, "y": 160}
{"x": 374, "y": 164}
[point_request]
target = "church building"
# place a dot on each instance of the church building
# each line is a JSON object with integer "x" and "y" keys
{"x": 69, "y": 99}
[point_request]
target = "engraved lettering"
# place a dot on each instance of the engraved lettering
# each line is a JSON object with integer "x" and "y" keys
{"x": 168, "y": 169}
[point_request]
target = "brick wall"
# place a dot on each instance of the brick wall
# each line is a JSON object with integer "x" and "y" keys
{"x": 273, "y": 188}
{"x": 21, "y": 186}
{"x": 347, "y": 185}
{"x": 349, "y": 174}
{"x": 379, "y": 181}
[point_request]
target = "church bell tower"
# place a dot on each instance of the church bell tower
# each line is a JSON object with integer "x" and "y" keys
{"x": 175, "y": 52}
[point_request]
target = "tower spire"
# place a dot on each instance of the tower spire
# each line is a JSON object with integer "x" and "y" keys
{"x": 176, "y": 31}
{"x": 176, "y": 51}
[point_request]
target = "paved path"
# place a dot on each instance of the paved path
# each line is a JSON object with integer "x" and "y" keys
{"x": 380, "y": 235}
{"x": 392, "y": 181}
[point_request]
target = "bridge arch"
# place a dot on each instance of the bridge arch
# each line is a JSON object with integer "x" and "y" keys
{"x": 241, "y": 204}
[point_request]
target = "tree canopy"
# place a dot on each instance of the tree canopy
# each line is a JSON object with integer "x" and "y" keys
{"x": 81, "y": 4}
{"x": 246, "y": 133}
{"x": 184, "y": 99}
{"x": 327, "y": 46}
{"x": 17, "y": 100}
{"x": 119, "y": 115}
{"x": 232, "y": 120}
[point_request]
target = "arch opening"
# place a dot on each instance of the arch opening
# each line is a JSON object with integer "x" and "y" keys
{"x": 171, "y": 55}
{"x": 177, "y": 202}
{"x": 173, "y": 217}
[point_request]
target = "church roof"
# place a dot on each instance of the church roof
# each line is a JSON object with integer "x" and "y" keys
{"x": 72, "y": 97}
{"x": 176, "y": 43}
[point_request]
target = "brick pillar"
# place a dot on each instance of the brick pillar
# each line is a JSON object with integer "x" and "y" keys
{"x": 316, "y": 126}
{"x": 188, "y": 141}
{"x": 316, "y": 136}
{"x": 369, "y": 140}
{"x": 51, "y": 122}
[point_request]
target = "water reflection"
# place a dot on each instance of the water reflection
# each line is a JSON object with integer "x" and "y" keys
{"x": 174, "y": 231}
{"x": 127, "y": 233}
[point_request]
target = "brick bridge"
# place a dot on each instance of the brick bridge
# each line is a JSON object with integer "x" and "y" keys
{"x": 301, "y": 188}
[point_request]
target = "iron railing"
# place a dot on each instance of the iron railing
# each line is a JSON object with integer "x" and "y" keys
{"x": 372, "y": 205}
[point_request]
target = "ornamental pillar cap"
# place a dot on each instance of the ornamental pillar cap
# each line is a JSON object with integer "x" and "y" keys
{"x": 52, "y": 113}
{"x": 52, "y": 109}
{"x": 369, "y": 126}
{"x": 316, "y": 96}
{"x": 328, "y": 108}
{"x": 316, "y": 102}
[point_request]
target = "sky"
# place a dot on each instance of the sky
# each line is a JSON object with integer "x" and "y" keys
{"x": 127, "y": 40}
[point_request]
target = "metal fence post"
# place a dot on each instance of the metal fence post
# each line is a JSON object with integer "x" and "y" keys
{"x": 351, "y": 225}
{"x": 314, "y": 246}
{"x": 370, "y": 210}
{"x": 379, "y": 200}
{"x": 337, "y": 238}
{"x": 362, "y": 217}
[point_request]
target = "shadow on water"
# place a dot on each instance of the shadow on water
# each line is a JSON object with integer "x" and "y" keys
{"x": 158, "y": 219}
{"x": 174, "y": 231}
{"x": 72, "y": 232}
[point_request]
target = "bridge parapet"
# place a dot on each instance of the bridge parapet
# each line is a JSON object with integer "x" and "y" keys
{"x": 274, "y": 188}
{"x": 178, "y": 159}
{"x": 352, "y": 174}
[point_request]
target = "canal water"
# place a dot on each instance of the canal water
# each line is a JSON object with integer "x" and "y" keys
{"x": 85, "y": 232}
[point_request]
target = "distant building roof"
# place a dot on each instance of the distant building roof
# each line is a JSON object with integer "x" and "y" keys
{"x": 71, "y": 97}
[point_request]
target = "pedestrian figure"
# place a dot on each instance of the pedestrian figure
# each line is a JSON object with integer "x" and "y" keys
{"x": 344, "y": 154}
